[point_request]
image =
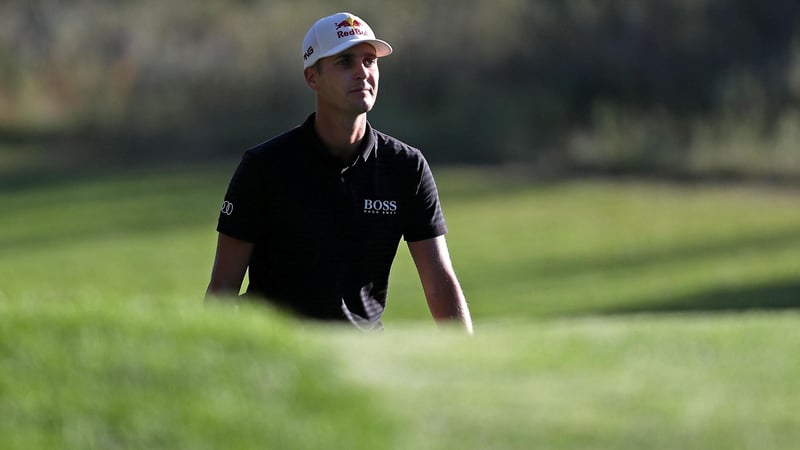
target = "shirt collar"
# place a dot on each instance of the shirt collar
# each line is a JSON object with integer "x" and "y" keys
{"x": 365, "y": 150}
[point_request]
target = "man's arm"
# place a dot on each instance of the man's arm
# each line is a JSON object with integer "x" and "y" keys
{"x": 230, "y": 265}
{"x": 442, "y": 290}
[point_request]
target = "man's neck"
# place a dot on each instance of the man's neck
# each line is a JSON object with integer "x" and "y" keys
{"x": 341, "y": 135}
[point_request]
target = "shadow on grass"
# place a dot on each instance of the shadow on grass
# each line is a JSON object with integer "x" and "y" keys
{"x": 711, "y": 248}
{"x": 780, "y": 296}
{"x": 46, "y": 209}
{"x": 624, "y": 265}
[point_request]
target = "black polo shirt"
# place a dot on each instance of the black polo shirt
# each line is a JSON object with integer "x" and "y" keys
{"x": 326, "y": 232}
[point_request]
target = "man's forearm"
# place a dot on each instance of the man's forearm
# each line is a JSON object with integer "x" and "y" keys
{"x": 442, "y": 289}
{"x": 448, "y": 305}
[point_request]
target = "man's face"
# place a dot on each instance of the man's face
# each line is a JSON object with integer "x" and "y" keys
{"x": 348, "y": 81}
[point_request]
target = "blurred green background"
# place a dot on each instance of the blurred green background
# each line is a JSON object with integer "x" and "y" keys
{"x": 688, "y": 88}
{"x": 620, "y": 180}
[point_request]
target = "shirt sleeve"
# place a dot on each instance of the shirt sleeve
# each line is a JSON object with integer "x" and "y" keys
{"x": 242, "y": 209}
{"x": 425, "y": 220}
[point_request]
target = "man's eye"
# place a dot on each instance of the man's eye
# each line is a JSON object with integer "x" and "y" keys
{"x": 370, "y": 62}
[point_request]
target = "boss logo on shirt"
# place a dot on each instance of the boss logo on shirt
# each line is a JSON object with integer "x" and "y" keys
{"x": 386, "y": 207}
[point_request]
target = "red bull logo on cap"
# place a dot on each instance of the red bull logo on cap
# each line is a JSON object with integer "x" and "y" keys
{"x": 353, "y": 24}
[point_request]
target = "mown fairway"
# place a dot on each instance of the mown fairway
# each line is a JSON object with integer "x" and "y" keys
{"x": 608, "y": 315}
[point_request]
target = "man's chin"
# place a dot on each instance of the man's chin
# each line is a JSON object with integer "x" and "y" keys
{"x": 363, "y": 107}
{"x": 363, "y": 101}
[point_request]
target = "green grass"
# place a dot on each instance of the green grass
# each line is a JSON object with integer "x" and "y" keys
{"x": 600, "y": 246}
{"x": 608, "y": 315}
{"x": 147, "y": 374}
{"x": 689, "y": 382}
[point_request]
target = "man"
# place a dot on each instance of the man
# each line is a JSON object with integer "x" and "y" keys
{"x": 316, "y": 214}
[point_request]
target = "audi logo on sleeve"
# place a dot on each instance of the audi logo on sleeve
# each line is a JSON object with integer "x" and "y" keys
{"x": 227, "y": 208}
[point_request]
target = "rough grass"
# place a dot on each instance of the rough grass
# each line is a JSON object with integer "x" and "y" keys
{"x": 176, "y": 374}
{"x": 690, "y": 382}
{"x": 116, "y": 372}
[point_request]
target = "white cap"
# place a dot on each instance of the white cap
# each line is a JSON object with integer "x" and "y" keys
{"x": 335, "y": 34}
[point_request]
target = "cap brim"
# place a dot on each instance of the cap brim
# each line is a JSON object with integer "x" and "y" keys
{"x": 382, "y": 48}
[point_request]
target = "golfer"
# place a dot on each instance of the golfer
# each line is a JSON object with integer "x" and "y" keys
{"x": 316, "y": 214}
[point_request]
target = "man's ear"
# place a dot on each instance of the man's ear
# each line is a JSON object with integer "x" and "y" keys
{"x": 311, "y": 74}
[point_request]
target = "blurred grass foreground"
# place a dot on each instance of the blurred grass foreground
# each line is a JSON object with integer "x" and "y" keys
{"x": 149, "y": 376}
{"x": 701, "y": 88}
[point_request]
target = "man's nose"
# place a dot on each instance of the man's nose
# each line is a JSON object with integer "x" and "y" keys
{"x": 362, "y": 71}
